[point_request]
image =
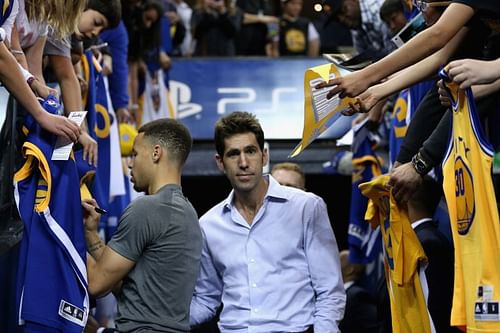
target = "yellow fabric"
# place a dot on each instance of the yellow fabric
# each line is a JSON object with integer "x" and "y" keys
{"x": 474, "y": 219}
{"x": 402, "y": 257}
{"x": 34, "y": 155}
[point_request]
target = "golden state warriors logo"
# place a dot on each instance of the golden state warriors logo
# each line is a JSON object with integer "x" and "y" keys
{"x": 464, "y": 193}
{"x": 399, "y": 115}
{"x": 103, "y": 122}
{"x": 295, "y": 40}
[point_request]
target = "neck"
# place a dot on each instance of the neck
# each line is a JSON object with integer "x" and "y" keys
{"x": 414, "y": 215}
{"x": 164, "y": 177}
{"x": 249, "y": 203}
{"x": 289, "y": 17}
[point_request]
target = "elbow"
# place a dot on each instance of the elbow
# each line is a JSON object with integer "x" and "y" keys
{"x": 96, "y": 290}
{"x": 97, "y": 286}
{"x": 436, "y": 38}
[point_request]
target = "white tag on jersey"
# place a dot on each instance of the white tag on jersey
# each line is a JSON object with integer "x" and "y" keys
{"x": 72, "y": 313}
{"x": 487, "y": 311}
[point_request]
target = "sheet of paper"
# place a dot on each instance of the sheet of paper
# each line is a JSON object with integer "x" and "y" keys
{"x": 63, "y": 146}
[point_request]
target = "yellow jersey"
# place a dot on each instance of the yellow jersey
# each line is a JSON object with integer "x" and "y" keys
{"x": 403, "y": 256}
{"x": 470, "y": 197}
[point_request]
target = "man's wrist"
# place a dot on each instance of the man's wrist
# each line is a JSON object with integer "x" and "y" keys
{"x": 94, "y": 247}
{"x": 421, "y": 166}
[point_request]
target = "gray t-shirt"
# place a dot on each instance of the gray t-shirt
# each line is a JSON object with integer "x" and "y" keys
{"x": 161, "y": 234}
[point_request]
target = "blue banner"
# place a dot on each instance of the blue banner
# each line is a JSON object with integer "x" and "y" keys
{"x": 204, "y": 90}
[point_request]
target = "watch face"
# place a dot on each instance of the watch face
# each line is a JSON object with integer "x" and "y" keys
{"x": 419, "y": 165}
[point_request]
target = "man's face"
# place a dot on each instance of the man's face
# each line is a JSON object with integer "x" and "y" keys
{"x": 293, "y": 8}
{"x": 140, "y": 164}
{"x": 91, "y": 23}
{"x": 149, "y": 17}
{"x": 395, "y": 21}
{"x": 288, "y": 178}
{"x": 242, "y": 161}
{"x": 350, "y": 14}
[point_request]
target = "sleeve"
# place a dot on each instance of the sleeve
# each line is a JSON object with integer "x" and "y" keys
{"x": 135, "y": 231}
{"x": 428, "y": 114}
{"x": 324, "y": 268}
{"x": 10, "y": 21}
{"x": 117, "y": 40}
{"x": 57, "y": 47}
{"x": 358, "y": 42}
{"x": 208, "y": 290}
{"x": 312, "y": 32}
{"x": 166, "y": 38}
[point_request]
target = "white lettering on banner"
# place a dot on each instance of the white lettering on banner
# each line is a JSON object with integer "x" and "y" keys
{"x": 181, "y": 95}
{"x": 249, "y": 96}
{"x": 276, "y": 95}
{"x": 181, "y": 98}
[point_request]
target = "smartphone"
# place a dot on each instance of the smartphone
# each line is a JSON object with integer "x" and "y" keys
{"x": 412, "y": 28}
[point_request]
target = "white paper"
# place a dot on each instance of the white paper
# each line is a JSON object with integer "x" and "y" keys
{"x": 63, "y": 146}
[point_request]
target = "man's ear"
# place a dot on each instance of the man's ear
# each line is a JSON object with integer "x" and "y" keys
{"x": 220, "y": 163}
{"x": 265, "y": 156}
{"x": 157, "y": 153}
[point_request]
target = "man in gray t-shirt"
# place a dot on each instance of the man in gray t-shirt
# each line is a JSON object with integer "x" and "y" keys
{"x": 152, "y": 261}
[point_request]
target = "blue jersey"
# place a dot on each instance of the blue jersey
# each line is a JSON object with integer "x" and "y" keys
{"x": 52, "y": 278}
{"x": 6, "y": 9}
{"x": 117, "y": 39}
{"x": 366, "y": 166}
{"x": 404, "y": 109}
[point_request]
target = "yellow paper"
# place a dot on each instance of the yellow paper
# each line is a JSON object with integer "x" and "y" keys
{"x": 318, "y": 111}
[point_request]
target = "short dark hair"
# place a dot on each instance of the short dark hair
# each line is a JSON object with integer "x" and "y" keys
{"x": 237, "y": 123}
{"x": 110, "y": 9}
{"x": 389, "y": 7}
{"x": 427, "y": 196}
{"x": 171, "y": 135}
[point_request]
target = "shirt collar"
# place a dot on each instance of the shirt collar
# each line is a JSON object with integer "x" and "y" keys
{"x": 415, "y": 224}
{"x": 348, "y": 284}
{"x": 274, "y": 191}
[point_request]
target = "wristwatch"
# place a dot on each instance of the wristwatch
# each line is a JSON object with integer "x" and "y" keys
{"x": 420, "y": 165}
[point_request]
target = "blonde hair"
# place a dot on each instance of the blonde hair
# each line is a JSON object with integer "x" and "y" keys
{"x": 61, "y": 15}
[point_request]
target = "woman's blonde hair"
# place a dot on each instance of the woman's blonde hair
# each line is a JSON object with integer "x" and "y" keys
{"x": 61, "y": 15}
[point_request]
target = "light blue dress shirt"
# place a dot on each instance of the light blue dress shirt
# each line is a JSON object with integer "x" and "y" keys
{"x": 279, "y": 274}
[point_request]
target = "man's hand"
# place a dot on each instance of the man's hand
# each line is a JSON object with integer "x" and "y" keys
{"x": 123, "y": 115}
{"x": 443, "y": 94}
{"x": 350, "y": 85}
{"x": 107, "y": 64}
{"x": 89, "y": 148}
{"x": 468, "y": 72}
{"x": 59, "y": 125}
{"x": 165, "y": 61}
{"x": 90, "y": 216}
{"x": 404, "y": 181}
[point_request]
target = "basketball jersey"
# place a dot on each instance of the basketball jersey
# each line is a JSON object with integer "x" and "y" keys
{"x": 51, "y": 285}
{"x": 470, "y": 197}
{"x": 403, "y": 256}
{"x": 366, "y": 165}
{"x": 403, "y": 112}
{"x": 6, "y": 9}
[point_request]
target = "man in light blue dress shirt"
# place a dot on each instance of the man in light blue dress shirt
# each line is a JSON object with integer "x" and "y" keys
{"x": 269, "y": 253}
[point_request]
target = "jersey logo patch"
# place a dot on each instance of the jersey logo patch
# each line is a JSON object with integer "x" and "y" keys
{"x": 486, "y": 311}
{"x": 72, "y": 313}
{"x": 464, "y": 192}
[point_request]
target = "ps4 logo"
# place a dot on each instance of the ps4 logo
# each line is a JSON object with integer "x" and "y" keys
{"x": 181, "y": 98}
